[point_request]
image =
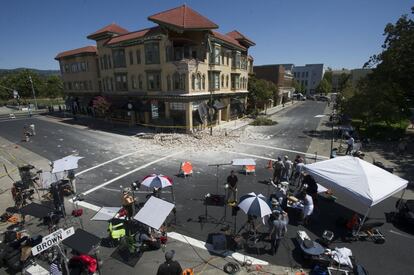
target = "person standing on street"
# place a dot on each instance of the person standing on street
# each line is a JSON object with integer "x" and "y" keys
{"x": 32, "y": 129}
{"x": 278, "y": 168}
{"x": 287, "y": 168}
{"x": 72, "y": 179}
{"x": 278, "y": 231}
{"x": 232, "y": 186}
{"x": 307, "y": 207}
{"x": 350, "y": 142}
{"x": 169, "y": 267}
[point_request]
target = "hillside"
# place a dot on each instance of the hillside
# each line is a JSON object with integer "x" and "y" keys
{"x": 40, "y": 72}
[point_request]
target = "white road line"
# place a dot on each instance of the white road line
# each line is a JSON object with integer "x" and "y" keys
{"x": 401, "y": 234}
{"x": 249, "y": 155}
{"x": 227, "y": 253}
{"x": 128, "y": 173}
{"x": 87, "y": 205}
{"x": 106, "y": 162}
{"x": 282, "y": 149}
{"x": 136, "y": 192}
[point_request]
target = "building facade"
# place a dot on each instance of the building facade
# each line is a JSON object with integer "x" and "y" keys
{"x": 281, "y": 75}
{"x": 309, "y": 76}
{"x": 354, "y": 76}
{"x": 180, "y": 73}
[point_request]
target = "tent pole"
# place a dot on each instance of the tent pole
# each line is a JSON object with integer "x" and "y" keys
{"x": 363, "y": 221}
{"x": 172, "y": 193}
{"x": 399, "y": 201}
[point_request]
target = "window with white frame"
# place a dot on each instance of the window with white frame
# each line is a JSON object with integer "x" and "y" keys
{"x": 140, "y": 84}
{"x": 134, "y": 81}
{"x": 152, "y": 53}
{"x": 154, "y": 80}
{"x": 177, "y": 106}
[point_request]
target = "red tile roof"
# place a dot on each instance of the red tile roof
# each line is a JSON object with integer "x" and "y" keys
{"x": 183, "y": 17}
{"x": 228, "y": 39}
{"x": 112, "y": 28}
{"x": 132, "y": 35}
{"x": 239, "y": 36}
{"x": 87, "y": 49}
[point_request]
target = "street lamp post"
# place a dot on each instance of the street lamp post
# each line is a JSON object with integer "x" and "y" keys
{"x": 33, "y": 91}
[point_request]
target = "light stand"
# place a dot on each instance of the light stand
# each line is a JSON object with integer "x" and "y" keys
{"x": 217, "y": 174}
{"x": 206, "y": 217}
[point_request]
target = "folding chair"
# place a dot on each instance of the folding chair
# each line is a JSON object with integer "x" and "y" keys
{"x": 186, "y": 169}
{"x": 249, "y": 169}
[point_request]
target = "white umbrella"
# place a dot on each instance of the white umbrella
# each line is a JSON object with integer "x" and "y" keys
{"x": 66, "y": 164}
{"x": 255, "y": 205}
{"x": 157, "y": 181}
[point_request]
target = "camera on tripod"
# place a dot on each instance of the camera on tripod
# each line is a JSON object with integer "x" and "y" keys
{"x": 27, "y": 194}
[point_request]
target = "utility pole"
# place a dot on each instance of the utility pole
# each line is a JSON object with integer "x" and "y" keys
{"x": 33, "y": 91}
{"x": 210, "y": 111}
{"x": 332, "y": 129}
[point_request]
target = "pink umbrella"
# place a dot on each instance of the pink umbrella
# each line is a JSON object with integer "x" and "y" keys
{"x": 157, "y": 181}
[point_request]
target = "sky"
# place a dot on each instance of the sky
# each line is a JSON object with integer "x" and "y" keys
{"x": 337, "y": 33}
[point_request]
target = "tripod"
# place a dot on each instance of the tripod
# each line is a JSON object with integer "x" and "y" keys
{"x": 206, "y": 217}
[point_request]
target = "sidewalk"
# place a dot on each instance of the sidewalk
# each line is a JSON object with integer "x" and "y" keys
{"x": 385, "y": 152}
{"x": 245, "y": 121}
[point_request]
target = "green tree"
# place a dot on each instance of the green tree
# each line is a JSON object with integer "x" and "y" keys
{"x": 52, "y": 87}
{"x": 395, "y": 63}
{"x": 260, "y": 91}
{"x": 328, "y": 75}
{"x": 20, "y": 81}
{"x": 324, "y": 87}
{"x": 298, "y": 87}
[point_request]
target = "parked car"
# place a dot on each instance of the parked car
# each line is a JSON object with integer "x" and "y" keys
{"x": 344, "y": 131}
{"x": 299, "y": 96}
{"x": 322, "y": 98}
{"x": 311, "y": 97}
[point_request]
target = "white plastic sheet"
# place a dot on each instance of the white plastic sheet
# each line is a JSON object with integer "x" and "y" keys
{"x": 66, "y": 163}
{"x": 106, "y": 213}
{"x": 154, "y": 212}
{"x": 48, "y": 178}
{"x": 243, "y": 162}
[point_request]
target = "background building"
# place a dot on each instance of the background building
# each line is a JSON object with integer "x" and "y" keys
{"x": 281, "y": 75}
{"x": 339, "y": 76}
{"x": 309, "y": 76}
{"x": 180, "y": 72}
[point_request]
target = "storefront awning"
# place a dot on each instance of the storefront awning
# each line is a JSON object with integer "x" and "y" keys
{"x": 219, "y": 105}
{"x": 203, "y": 112}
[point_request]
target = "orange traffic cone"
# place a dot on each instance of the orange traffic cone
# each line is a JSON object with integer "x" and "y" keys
{"x": 269, "y": 164}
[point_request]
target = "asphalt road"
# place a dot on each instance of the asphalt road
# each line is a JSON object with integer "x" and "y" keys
{"x": 291, "y": 134}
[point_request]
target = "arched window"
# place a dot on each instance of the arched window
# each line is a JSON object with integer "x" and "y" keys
{"x": 222, "y": 81}
{"x": 198, "y": 82}
{"x": 204, "y": 82}
{"x": 168, "y": 82}
{"x": 182, "y": 82}
{"x": 227, "y": 81}
{"x": 176, "y": 81}
{"x": 193, "y": 80}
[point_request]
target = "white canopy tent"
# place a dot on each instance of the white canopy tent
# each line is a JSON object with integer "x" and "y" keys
{"x": 360, "y": 183}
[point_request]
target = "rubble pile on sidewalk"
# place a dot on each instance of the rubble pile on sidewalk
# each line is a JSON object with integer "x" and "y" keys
{"x": 196, "y": 142}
